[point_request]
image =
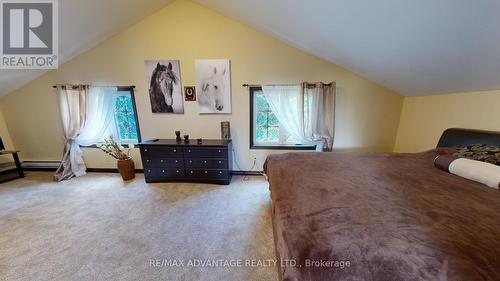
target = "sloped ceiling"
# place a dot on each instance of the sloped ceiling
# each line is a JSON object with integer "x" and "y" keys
{"x": 413, "y": 47}
{"x": 83, "y": 24}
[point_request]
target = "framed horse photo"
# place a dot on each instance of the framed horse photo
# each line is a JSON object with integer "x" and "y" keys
{"x": 165, "y": 89}
{"x": 213, "y": 85}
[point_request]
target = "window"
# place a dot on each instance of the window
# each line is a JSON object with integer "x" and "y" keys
{"x": 265, "y": 129}
{"x": 111, "y": 111}
{"x": 125, "y": 115}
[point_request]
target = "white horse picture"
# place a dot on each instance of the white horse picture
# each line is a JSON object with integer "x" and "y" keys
{"x": 213, "y": 82}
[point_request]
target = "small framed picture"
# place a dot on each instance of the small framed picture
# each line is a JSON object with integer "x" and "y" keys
{"x": 190, "y": 93}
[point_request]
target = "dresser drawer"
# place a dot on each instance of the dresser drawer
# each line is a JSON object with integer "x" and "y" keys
{"x": 164, "y": 173}
{"x": 208, "y": 163}
{"x": 163, "y": 162}
{"x": 205, "y": 152}
{"x": 159, "y": 151}
{"x": 206, "y": 174}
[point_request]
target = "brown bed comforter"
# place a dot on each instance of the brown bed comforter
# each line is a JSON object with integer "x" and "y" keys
{"x": 390, "y": 216}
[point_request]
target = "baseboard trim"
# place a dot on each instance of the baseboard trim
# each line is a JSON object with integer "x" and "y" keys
{"x": 39, "y": 169}
{"x": 110, "y": 170}
{"x": 51, "y": 166}
{"x": 247, "y": 173}
{"x": 141, "y": 171}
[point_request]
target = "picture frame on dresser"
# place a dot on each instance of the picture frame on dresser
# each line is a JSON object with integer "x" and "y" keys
{"x": 166, "y": 160}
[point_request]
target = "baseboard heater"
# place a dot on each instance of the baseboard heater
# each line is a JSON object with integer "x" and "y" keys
{"x": 40, "y": 165}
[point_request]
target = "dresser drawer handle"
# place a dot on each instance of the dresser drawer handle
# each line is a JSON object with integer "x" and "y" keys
{"x": 205, "y": 161}
{"x": 147, "y": 160}
{"x": 191, "y": 172}
{"x": 177, "y": 171}
{"x": 149, "y": 171}
{"x": 175, "y": 150}
{"x": 219, "y": 151}
{"x": 206, "y": 172}
{"x": 189, "y": 150}
{"x": 161, "y": 160}
{"x": 190, "y": 161}
{"x": 220, "y": 162}
{"x": 176, "y": 161}
{"x": 220, "y": 172}
{"x": 145, "y": 150}
{"x": 163, "y": 171}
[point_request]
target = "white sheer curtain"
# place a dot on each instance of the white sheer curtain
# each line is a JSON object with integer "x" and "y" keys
{"x": 286, "y": 102}
{"x": 305, "y": 111}
{"x": 100, "y": 116}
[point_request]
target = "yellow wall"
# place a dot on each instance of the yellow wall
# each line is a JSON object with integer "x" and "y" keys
{"x": 367, "y": 114}
{"x": 424, "y": 118}
{"x": 4, "y": 134}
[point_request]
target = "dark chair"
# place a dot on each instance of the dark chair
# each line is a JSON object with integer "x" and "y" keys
{"x": 9, "y": 170}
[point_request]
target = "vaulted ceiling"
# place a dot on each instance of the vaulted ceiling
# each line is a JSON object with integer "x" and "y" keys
{"x": 418, "y": 47}
{"x": 413, "y": 47}
{"x": 84, "y": 24}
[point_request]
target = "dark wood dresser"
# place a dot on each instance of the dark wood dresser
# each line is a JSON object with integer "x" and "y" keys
{"x": 166, "y": 160}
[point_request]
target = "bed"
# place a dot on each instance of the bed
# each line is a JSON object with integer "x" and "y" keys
{"x": 383, "y": 216}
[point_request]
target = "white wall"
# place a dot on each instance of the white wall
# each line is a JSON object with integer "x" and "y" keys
{"x": 5, "y": 135}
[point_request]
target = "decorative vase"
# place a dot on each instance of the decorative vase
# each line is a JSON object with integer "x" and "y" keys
{"x": 126, "y": 169}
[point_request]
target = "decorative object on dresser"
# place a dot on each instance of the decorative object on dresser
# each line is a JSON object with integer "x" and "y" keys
{"x": 225, "y": 130}
{"x": 186, "y": 138}
{"x": 178, "y": 136}
{"x": 124, "y": 163}
{"x": 165, "y": 160}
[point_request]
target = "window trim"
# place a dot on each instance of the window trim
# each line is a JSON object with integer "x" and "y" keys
{"x": 131, "y": 90}
{"x": 252, "y": 90}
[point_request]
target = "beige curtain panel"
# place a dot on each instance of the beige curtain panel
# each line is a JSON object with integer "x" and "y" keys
{"x": 72, "y": 106}
{"x": 319, "y": 114}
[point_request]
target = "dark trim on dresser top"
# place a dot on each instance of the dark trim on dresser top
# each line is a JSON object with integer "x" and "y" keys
{"x": 205, "y": 142}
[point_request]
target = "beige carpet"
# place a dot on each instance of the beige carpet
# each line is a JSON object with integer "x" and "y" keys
{"x": 98, "y": 228}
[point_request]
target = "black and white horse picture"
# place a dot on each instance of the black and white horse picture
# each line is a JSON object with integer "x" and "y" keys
{"x": 165, "y": 86}
{"x": 213, "y": 81}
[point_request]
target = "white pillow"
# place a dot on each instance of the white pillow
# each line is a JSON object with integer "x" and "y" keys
{"x": 482, "y": 172}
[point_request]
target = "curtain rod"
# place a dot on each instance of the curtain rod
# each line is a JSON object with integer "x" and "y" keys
{"x": 131, "y": 86}
{"x": 291, "y": 84}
